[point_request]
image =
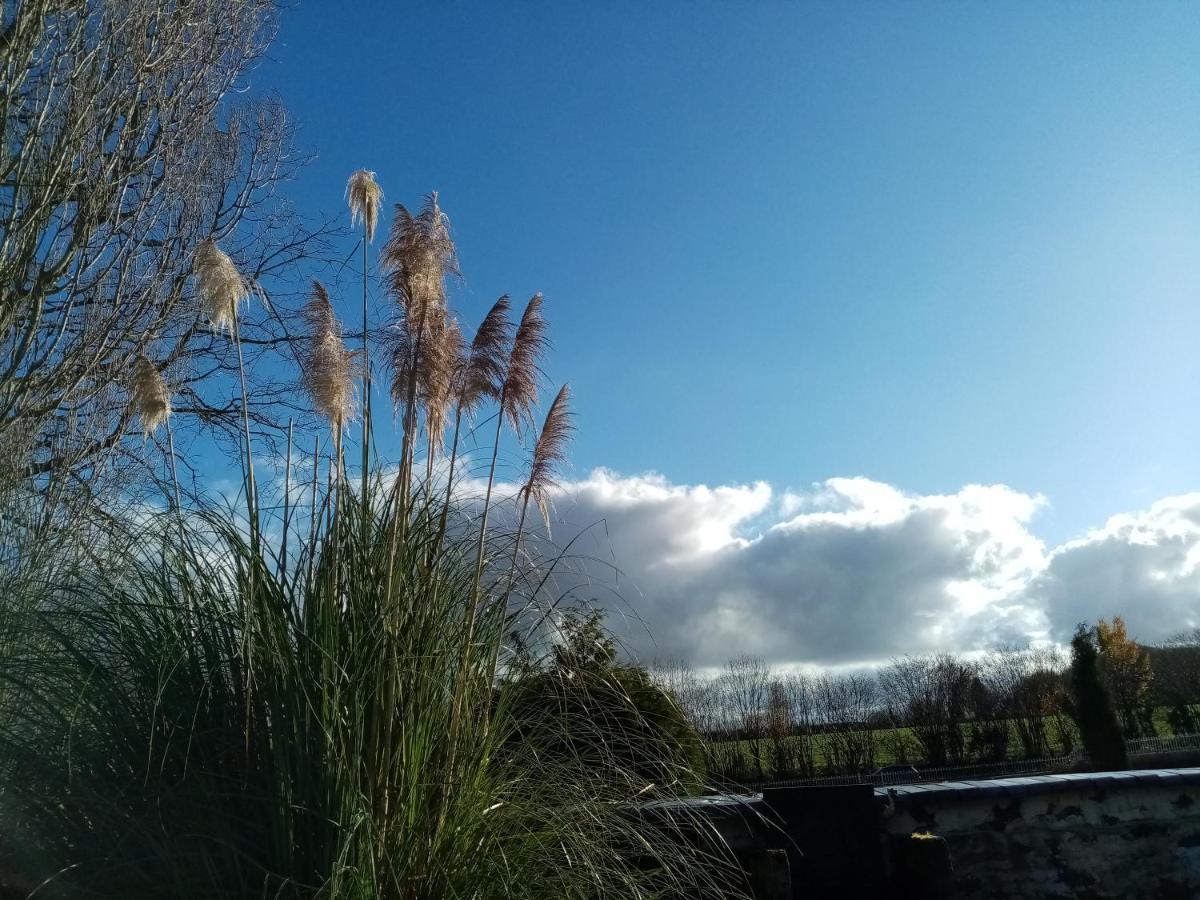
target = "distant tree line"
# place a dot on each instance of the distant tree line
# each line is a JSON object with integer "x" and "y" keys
{"x": 940, "y": 709}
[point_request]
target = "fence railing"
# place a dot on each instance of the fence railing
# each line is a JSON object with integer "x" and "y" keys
{"x": 984, "y": 771}
{"x": 1141, "y": 746}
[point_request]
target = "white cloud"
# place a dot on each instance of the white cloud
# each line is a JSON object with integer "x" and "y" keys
{"x": 855, "y": 570}
{"x": 1142, "y": 566}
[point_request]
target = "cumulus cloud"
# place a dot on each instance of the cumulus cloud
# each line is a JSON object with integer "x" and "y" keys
{"x": 854, "y": 570}
{"x": 1142, "y": 566}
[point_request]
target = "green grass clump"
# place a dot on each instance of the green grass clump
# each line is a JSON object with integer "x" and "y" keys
{"x": 186, "y": 717}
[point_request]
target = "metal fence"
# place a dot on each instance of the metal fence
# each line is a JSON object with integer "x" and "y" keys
{"x": 984, "y": 771}
{"x": 1142, "y": 746}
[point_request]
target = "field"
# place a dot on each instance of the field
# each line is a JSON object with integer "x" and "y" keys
{"x": 893, "y": 746}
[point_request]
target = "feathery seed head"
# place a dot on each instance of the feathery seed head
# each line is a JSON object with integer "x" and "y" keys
{"x": 220, "y": 284}
{"x": 482, "y": 376}
{"x": 365, "y": 197}
{"x": 328, "y": 367}
{"x": 550, "y": 450}
{"x": 524, "y": 366}
{"x": 402, "y": 347}
{"x": 418, "y": 258}
{"x": 149, "y": 395}
{"x": 437, "y": 372}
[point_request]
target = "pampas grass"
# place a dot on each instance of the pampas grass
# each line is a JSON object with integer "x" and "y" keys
{"x": 222, "y": 290}
{"x": 149, "y": 395}
{"x": 328, "y": 367}
{"x": 418, "y": 258}
{"x": 403, "y": 362}
{"x": 365, "y": 197}
{"x": 524, "y": 374}
{"x": 441, "y": 365}
{"x": 190, "y": 719}
{"x": 518, "y": 394}
{"x": 482, "y": 375}
{"x": 336, "y": 707}
{"x": 479, "y": 378}
{"x": 548, "y": 453}
{"x": 221, "y": 286}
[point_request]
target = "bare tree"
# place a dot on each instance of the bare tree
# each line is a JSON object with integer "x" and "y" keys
{"x": 702, "y": 700}
{"x": 802, "y": 704}
{"x": 1030, "y": 687}
{"x": 1176, "y": 686}
{"x": 779, "y": 725}
{"x": 746, "y": 685}
{"x": 695, "y": 695}
{"x": 931, "y": 695}
{"x": 120, "y": 153}
{"x": 988, "y": 726}
{"x": 844, "y": 707}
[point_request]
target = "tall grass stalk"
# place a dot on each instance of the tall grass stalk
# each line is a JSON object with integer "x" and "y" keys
{"x": 517, "y": 397}
{"x": 365, "y": 198}
{"x": 366, "y": 373}
{"x": 251, "y": 486}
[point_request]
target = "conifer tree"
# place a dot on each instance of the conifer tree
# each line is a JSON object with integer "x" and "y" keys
{"x": 1094, "y": 714}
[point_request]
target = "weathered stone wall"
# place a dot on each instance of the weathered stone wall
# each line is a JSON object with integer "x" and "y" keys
{"x": 1080, "y": 835}
{"x": 1108, "y": 835}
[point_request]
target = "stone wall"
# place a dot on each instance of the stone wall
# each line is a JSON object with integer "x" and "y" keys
{"x": 1107, "y": 835}
{"x": 1077, "y": 835}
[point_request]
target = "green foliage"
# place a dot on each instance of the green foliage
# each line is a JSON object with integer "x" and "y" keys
{"x": 184, "y": 716}
{"x": 1093, "y": 709}
{"x": 609, "y": 712}
{"x": 1128, "y": 675}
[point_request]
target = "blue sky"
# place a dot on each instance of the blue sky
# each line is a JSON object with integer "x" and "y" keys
{"x": 929, "y": 244}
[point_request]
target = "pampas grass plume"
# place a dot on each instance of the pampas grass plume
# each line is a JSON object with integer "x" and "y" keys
{"x": 438, "y": 371}
{"x": 418, "y": 257}
{"x": 149, "y": 395}
{"x": 221, "y": 285}
{"x": 365, "y": 197}
{"x": 549, "y": 452}
{"x": 524, "y": 369}
{"x": 482, "y": 376}
{"x": 328, "y": 367}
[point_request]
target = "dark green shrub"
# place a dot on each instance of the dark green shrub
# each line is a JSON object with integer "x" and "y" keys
{"x": 1092, "y": 706}
{"x": 582, "y": 702}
